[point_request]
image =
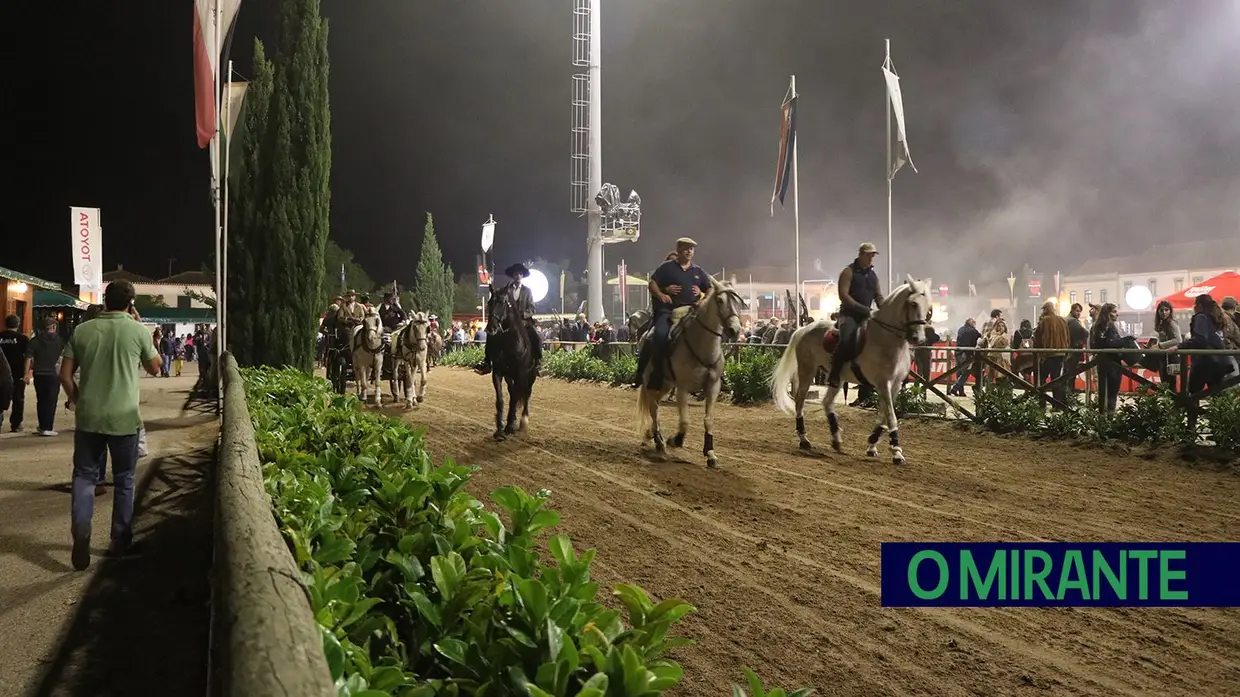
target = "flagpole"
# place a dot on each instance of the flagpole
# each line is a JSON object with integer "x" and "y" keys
{"x": 887, "y": 166}
{"x": 796, "y": 207}
{"x": 222, "y": 301}
{"x": 215, "y": 192}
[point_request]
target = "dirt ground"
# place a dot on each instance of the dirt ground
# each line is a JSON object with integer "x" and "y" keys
{"x": 779, "y": 550}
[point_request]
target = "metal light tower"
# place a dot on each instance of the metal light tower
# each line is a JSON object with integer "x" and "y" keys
{"x": 587, "y": 149}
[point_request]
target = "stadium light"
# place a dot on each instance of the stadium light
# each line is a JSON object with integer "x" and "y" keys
{"x": 537, "y": 283}
{"x": 1139, "y": 298}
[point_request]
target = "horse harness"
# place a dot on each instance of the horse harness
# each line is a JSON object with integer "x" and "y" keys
{"x": 679, "y": 329}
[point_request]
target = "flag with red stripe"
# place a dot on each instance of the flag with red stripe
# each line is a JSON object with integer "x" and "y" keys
{"x": 208, "y": 56}
{"x": 787, "y": 141}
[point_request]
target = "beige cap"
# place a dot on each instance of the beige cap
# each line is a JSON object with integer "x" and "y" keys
{"x": 867, "y": 248}
{"x": 688, "y": 241}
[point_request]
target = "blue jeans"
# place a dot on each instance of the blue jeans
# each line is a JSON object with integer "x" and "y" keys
{"x": 90, "y": 453}
{"x": 660, "y": 335}
{"x": 167, "y": 367}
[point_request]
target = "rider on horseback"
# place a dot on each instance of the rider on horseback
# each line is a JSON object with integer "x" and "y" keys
{"x": 859, "y": 291}
{"x": 676, "y": 283}
{"x": 525, "y": 306}
{"x": 391, "y": 314}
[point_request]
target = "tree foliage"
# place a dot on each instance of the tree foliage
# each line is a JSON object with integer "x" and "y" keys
{"x": 466, "y": 300}
{"x": 279, "y": 232}
{"x": 433, "y": 289}
{"x": 355, "y": 276}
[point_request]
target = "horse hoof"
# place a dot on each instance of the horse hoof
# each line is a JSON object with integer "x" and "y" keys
{"x": 420, "y": 398}
{"x": 711, "y": 461}
{"x": 838, "y": 447}
{"x": 898, "y": 460}
{"x": 499, "y": 436}
{"x": 510, "y": 430}
{"x": 408, "y": 403}
{"x": 871, "y": 453}
{"x": 805, "y": 445}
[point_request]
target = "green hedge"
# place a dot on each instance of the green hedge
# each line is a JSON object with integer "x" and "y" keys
{"x": 421, "y": 591}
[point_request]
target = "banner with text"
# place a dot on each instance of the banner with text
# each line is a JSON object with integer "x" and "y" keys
{"x": 87, "y": 248}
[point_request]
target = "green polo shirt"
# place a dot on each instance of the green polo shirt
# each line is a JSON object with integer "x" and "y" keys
{"x": 110, "y": 350}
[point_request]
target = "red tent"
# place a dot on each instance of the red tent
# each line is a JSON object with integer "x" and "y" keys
{"x": 1219, "y": 287}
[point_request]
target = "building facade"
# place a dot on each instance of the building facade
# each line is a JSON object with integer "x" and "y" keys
{"x": 1161, "y": 269}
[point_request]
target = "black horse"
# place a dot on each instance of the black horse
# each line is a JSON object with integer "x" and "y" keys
{"x": 513, "y": 361}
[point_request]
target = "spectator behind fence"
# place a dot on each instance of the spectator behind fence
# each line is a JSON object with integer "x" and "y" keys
{"x": 1206, "y": 332}
{"x": 108, "y": 349}
{"x": 1168, "y": 334}
{"x": 1105, "y": 335}
{"x": 1051, "y": 333}
{"x": 43, "y": 353}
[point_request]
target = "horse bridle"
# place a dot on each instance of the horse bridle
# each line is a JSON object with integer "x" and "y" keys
{"x": 908, "y": 326}
{"x": 695, "y": 315}
{"x": 366, "y": 328}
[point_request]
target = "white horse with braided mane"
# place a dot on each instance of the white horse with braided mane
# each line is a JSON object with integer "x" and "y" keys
{"x": 366, "y": 348}
{"x": 411, "y": 351}
{"x": 883, "y": 361}
{"x": 695, "y": 361}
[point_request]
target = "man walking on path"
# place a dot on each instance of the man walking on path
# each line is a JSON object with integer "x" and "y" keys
{"x": 44, "y": 353}
{"x": 14, "y": 343}
{"x": 108, "y": 349}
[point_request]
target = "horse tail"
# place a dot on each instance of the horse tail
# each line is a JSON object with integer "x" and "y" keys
{"x": 643, "y": 410}
{"x": 784, "y": 376}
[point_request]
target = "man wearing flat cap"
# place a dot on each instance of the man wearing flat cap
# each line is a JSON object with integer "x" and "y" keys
{"x": 859, "y": 293}
{"x": 676, "y": 283}
{"x": 525, "y": 307}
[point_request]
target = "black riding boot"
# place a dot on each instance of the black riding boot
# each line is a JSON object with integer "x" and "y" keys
{"x": 484, "y": 367}
{"x": 643, "y": 358}
{"x": 838, "y": 359}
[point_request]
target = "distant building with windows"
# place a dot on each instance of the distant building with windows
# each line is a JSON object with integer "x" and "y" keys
{"x": 1164, "y": 269}
{"x": 176, "y": 291}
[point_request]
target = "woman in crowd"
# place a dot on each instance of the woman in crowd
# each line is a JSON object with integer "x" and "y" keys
{"x": 1105, "y": 335}
{"x": 1206, "y": 332}
{"x": 1168, "y": 331}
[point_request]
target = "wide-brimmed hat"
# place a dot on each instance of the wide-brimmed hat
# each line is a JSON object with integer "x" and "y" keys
{"x": 387, "y": 296}
{"x": 686, "y": 241}
{"x": 867, "y": 248}
{"x": 350, "y": 292}
{"x": 516, "y": 270}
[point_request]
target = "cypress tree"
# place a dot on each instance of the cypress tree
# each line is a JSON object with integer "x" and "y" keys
{"x": 289, "y": 158}
{"x": 434, "y": 288}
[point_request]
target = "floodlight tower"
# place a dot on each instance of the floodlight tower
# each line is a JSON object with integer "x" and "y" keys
{"x": 587, "y": 148}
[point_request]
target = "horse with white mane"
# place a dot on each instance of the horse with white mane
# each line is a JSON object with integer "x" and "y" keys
{"x": 366, "y": 347}
{"x": 694, "y": 361}
{"x": 882, "y": 360}
{"x": 411, "y": 351}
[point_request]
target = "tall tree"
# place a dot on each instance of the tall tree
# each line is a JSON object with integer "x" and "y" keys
{"x": 433, "y": 289}
{"x": 287, "y": 215}
{"x": 247, "y": 233}
{"x": 355, "y": 276}
{"x": 465, "y": 300}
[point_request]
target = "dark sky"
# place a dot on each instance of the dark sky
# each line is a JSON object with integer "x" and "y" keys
{"x": 1046, "y": 132}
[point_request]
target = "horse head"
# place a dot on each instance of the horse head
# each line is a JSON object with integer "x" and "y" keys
{"x": 416, "y": 328}
{"x": 726, "y": 305}
{"x": 908, "y": 310}
{"x": 371, "y": 331}
{"x": 502, "y": 315}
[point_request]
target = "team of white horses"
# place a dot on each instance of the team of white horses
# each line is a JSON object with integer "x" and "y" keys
{"x": 695, "y": 364}
{"x": 414, "y": 345}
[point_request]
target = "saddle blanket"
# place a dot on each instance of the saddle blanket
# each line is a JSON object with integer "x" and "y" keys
{"x": 831, "y": 339}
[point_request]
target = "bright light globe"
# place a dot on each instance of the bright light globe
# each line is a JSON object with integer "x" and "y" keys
{"x": 537, "y": 283}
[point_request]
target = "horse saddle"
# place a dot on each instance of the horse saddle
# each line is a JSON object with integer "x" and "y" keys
{"x": 831, "y": 340}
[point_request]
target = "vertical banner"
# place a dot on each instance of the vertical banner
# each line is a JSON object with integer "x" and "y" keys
{"x": 488, "y": 235}
{"x": 87, "y": 248}
{"x": 622, "y": 273}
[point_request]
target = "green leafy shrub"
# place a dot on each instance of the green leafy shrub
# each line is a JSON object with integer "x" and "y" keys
{"x": 580, "y": 364}
{"x": 1153, "y": 416}
{"x": 756, "y": 690}
{"x": 1002, "y": 410}
{"x": 1222, "y": 415}
{"x": 747, "y": 376}
{"x": 467, "y": 357}
{"x": 418, "y": 590}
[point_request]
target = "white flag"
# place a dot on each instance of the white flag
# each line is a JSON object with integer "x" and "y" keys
{"x": 488, "y": 235}
{"x": 87, "y": 249}
{"x": 897, "y": 105}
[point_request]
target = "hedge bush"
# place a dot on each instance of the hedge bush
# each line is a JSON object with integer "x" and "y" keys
{"x": 418, "y": 589}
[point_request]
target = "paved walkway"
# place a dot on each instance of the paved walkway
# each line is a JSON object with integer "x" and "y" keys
{"x": 128, "y": 626}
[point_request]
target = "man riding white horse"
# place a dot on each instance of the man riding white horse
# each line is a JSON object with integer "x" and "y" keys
{"x": 525, "y": 306}
{"x": 676, "y": 283}
{"x": 859, "y": 292}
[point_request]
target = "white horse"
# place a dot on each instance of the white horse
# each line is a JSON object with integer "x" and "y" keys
{"x": 883, "y": 361}
{"x": 367, "y": 350}
{"x": 694, "y": 361}
{"x": 410, "y": 350}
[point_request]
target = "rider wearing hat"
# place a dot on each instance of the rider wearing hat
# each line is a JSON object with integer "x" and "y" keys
{"x": 859, "y": 292}
{"x": 525, "y": 306}
{"x": 676, "y": 283}
{"x": 351, "y": 312}
{"x": 390, "y": 313}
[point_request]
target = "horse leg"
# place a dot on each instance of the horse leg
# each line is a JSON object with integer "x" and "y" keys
{"x": 499, "y": 405}
{"x": 805, "y": 375}
{"x": 893, "y": 426}
{"x": 682, "y": 411}
{"x": 660, "y": 447}
{"x": 828, "y": 406}
{"x": 514, "y": 392}
{"x": 708, "y": 439}
{"x": 524, "y": 423}
{"x": 882, "y": 392}
{"x": 422, "y": 370}
{"x": 378, "y": 364}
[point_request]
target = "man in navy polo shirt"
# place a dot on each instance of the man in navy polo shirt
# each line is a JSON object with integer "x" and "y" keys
{"x": 676, "y": 283}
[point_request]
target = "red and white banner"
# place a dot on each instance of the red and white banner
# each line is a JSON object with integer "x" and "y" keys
{"x": 87, "y": 249}
{"x": 208, "y": 47}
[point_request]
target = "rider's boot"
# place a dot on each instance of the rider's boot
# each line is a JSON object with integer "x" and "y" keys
{"x": 483, "y": 367}
{"x": 837, "y": 366}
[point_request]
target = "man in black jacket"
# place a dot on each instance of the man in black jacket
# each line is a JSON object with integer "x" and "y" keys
{"x": 966, "y": 337}
{"x": 525, "y": 308}
{"x": 859, "y": 293}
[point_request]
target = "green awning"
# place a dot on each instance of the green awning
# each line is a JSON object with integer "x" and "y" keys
{"x": 178, "y": 315}
{"x": 27, "y": 278}
{"x": 57, "y": 299}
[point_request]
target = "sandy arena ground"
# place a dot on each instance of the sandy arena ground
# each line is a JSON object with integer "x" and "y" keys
{"x": 779, "y": 550}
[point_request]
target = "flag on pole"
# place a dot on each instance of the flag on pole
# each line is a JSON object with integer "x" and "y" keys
{"x": 342, "y": 281}
{"x": 207, "y": 59}
{"x": 902, "y": 155}
{"x": 787, "y": 137}
{"x": 972, "y": 289}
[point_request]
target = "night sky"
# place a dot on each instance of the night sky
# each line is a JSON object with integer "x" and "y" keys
{"x": 1046, "y": 132}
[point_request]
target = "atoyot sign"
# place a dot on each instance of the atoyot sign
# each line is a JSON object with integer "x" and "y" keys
{"x": 537, "y": 283}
